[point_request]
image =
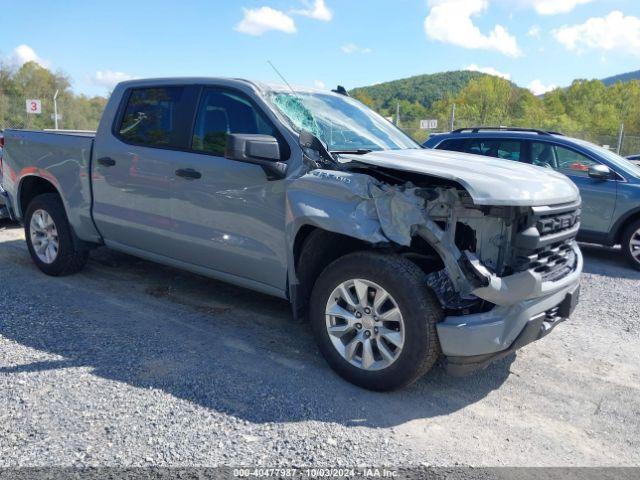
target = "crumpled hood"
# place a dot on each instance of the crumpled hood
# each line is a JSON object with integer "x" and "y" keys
{"x": 489, "y": 181}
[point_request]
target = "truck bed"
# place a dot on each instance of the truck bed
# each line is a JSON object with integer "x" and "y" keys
{"x": 62, "y": 157}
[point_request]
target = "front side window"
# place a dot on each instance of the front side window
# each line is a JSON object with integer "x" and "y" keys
{"x": 342, "y": 123}
{"x": 150, "y": 116}
{"x": 573, "y": 163}
{"x": 223, "y": 112}
{"x": 559, "y": 158}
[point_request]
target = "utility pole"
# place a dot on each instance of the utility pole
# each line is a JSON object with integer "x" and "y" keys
{"x": 452, "y": 120}
{"x": 620, "y": 138}
{"x": 398, "y": 114}
{"x": 55, "y": 109}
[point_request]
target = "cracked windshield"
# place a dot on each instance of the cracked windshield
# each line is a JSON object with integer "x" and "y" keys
{"x": 343, "y": 124}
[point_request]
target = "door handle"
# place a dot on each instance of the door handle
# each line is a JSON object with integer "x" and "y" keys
{"x": 188, "y": 173}
{"x": 106, "y": 161}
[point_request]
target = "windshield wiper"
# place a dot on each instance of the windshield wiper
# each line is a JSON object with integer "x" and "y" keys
{"x": 359, "y": 151}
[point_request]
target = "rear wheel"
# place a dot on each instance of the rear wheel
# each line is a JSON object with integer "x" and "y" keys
{"x": 631, "y": 244}
{"x": 374, "y": 320}
{"x": 49, "y": 237}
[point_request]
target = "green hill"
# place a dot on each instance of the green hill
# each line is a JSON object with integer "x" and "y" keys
{"x": 422, "y": 89}
{"x": 623, "y": 77}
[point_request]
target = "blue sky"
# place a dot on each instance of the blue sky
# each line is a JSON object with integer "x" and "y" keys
{"x": 537, "y": 43}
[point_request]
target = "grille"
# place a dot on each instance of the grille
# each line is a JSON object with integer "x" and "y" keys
{"x": 555, "y": 261}
{"x": 550, "y": 224}
{"x": 547, "y": 245}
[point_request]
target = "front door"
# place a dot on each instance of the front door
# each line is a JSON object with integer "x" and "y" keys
{"x": 598, "y": 196}
{"x": 228, "y": 216}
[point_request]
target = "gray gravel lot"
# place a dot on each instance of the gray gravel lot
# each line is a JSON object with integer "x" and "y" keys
{"x": 130, "y": 363}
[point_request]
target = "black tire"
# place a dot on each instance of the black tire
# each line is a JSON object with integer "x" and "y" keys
{"x": 421, "y": 311}
{"x": 628, "y": 236}
{"x": 72, "y": 256}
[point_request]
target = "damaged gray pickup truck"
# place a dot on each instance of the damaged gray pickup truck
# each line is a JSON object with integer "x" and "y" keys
{"x": 397, "y": 255}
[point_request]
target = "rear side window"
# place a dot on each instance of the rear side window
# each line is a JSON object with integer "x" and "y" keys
{"x": 453, "y": 145}
{"x": 505, "y": 149}
{"x": 543, "y": 155}
{"x": 151, "y": 116}
{"x": 222, "y": 112}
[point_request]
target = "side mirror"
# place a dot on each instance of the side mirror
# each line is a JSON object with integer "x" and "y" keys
{"x": 262, "y": 150}
{"x": 313, "y": 146}
{"x": 600, "y": 172}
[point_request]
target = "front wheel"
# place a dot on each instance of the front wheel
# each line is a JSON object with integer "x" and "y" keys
{"x": 374, "y": 320}
{"x": 631, "y": 244}
{"x": 49, "y": 238}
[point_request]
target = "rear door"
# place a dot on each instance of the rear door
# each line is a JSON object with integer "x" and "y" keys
{"x": 132, "y": 169}
{"x": 228, "y": 216}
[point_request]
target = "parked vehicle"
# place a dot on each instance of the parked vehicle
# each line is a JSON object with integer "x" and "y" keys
{"x": 634, "y": 159}
{"x": 4, "y": 212}
{"x": 396, "y": 254}
{"x": 609, "y": 184}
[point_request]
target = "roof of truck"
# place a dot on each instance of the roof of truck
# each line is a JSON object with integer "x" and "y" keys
{"x": 230, "y": 81}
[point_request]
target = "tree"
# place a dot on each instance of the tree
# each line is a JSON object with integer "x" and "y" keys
{"x": 34, "y": 81}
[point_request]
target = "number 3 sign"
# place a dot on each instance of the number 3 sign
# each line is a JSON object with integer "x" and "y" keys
{"x": 34, "y": 106}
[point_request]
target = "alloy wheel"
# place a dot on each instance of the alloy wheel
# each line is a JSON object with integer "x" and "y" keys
{"x": 44, "y": 236}
{"x": 365, "y": 324}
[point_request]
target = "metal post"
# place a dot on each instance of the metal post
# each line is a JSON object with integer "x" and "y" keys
{"x": 55, "y": 109}
{"x": 620, "y": 139}
{"x": 452, "y": 120}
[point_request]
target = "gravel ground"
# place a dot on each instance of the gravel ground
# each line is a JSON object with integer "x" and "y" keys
{"x": 134, "y": 364}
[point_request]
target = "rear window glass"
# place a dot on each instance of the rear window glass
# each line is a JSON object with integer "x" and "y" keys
{"x": 151, "y": 115}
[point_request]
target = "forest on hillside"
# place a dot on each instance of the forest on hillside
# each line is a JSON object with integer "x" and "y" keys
{"x": 587, "y": 108}
{"x": 78, "y": 112}
{"x": 423, "y": 90}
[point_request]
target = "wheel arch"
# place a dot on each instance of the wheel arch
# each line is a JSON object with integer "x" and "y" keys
{"x": 621, "y": 225}
{"x": 30, "y": 187}
{"x": 314, "y": 248}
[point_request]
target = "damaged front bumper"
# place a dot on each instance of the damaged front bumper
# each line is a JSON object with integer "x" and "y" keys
{"x": 526, "y": 310}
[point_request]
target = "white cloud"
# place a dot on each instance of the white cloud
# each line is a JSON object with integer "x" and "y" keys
{"x": 534, "y": 32}
{"x": 318, "y": 11}
{"x": 319, "y": 84}
{"x": 538, "y": 88}
{"x": 109, "y": 78}
{"x": 24, "y": 53}
{"x": 350, "y": 48}
{"x": 449, "y": 21}
{"x": 612, "y": 32}
{"x": 553, "y": 7}
{"x": 260, "y": 20}
{"x": 488, "y": 70}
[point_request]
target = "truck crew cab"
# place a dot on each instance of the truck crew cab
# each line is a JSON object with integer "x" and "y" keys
{"x": 395, "y": 254}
